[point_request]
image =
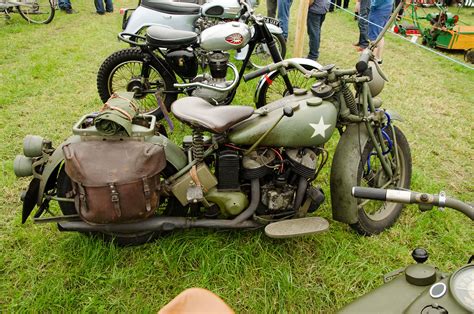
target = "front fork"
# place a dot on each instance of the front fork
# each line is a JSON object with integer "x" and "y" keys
{"x": 375, "y": 134}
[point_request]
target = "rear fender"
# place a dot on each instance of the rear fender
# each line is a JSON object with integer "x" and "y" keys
{"x": 308, "y": 63}
{"x": 344, "y": 173}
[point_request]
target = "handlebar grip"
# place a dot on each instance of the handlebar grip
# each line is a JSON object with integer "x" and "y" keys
{"x": 259, "y": 72}
{"x": 363, "y": 63}
{"x": 369, "y": 193}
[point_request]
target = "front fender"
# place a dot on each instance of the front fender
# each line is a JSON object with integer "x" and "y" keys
{"x": 344, "y": 170}
{"x": 307, "y": 63}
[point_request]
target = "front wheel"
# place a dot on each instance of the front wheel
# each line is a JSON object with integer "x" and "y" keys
{"x": 122, "y": 71}
{"x": 376, "y": 216}
{"x": 36, "y": 11}
{"x": 274, "y": 87}
{"x": 261, "y": 55}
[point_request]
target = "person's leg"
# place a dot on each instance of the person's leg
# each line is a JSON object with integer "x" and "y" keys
{"x": 346, "y": 4}
{"x": 271, "y": 8}
{"x": 109, "y": 6}
{"x": 314, "y": 23}
{"x": 364, "y": 9}
{"x": 99, "y": 6}
{"x": 284, "y": 15}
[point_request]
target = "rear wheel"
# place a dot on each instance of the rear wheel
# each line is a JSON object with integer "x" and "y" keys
{"x": 261, "y": 55}
{"x": 275, "y": 87}
{"x": 122, "y": 71}
{"x": 36, "y": 11}
{"x": 376, "y": 216}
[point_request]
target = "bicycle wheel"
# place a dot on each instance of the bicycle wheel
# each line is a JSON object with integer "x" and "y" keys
{"x": 36, "y": 11}
{"x": 121, "y": 71}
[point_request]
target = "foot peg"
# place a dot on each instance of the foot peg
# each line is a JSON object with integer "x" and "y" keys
{"x": 296, "y": 227}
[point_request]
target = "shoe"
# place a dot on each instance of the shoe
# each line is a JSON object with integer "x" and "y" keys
{"x": 100, "y": 13}
{"x": 360, "y": 48}
{"x": 70, "y": 11}
{"x": 110, "y": 11}
{"x": 356, "y": 44}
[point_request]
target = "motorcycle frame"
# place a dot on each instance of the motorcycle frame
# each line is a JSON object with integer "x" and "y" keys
{"x": 261, "y": 34}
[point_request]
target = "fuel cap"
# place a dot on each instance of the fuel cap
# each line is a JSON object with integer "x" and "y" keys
{"x": 322, "y": 90}
{"x": 420, "y": 274}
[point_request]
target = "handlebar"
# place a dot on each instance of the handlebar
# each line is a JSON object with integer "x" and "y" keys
{"x": 363, "y": 64}
{"x": 410, "y": 197}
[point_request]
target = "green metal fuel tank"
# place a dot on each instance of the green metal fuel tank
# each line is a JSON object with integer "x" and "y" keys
{"x": 312, "y": 123}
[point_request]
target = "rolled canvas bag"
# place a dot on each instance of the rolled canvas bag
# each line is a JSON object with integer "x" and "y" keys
{"x": 115, "y": 181}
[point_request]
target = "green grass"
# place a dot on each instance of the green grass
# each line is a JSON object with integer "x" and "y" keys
{"x": 47, "y": 76}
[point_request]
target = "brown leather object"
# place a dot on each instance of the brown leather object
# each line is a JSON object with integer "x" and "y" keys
{"x": 199, "y": 113}
{"x": 115, "y": 181}
{"x": 196, "y": 300}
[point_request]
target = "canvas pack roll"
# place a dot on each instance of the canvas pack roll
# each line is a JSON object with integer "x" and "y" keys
{"x": 117, "y": 115}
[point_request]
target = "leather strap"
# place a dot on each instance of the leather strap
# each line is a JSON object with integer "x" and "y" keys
{"x": 147, "y": 193}
{"x": 115, "y": 199}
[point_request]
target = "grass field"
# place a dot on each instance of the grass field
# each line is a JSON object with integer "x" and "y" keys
{"x": 47, "y": 76}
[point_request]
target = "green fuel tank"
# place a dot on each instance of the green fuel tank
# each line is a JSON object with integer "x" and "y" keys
{"x": 312, "y": 123}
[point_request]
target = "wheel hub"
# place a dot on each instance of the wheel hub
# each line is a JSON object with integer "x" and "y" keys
{"x": 135, "y": 85}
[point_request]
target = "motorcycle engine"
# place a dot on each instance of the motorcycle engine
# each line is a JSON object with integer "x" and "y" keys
{"x": 280, "y": 174}
{"x": 217, "y": 62}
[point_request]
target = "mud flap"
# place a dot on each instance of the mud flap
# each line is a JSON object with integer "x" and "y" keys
{"x": 29, "y": 199}
{"x": 344, "y": 173}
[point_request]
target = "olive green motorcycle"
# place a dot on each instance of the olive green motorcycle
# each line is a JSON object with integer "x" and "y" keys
{"x": 240, "y": 168}
{"x": 419, "y": 288}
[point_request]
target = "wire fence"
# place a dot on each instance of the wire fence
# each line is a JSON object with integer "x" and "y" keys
{"x": 408, "y": 40}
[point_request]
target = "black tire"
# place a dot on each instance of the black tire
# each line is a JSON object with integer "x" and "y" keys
{"x": 376, "y": 216}
{"x": 275, "y": 88}
{"x": 121, "y": 71}
{"x": 261, "y": 57}
{"x": 64, "y": 188}
{"x": 37, "y": 11}
{"x": 469, "y": 56}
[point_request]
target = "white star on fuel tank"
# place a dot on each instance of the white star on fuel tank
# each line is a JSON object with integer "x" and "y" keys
{"x": 320, "y": 128}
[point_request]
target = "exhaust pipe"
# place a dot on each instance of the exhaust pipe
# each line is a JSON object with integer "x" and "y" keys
{"x": 171, "y": 223}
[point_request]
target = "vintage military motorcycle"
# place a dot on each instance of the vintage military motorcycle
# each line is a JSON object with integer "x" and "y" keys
{"x": 166, "y": 55}
{"x": 419, "y": 288}
{"x": 196, "y": 16}
{"x": 254, "y": 168}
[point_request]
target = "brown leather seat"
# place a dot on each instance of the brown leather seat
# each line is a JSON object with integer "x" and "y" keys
{"x": 202, "y": 115}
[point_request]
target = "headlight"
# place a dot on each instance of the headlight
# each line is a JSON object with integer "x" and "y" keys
{"x": 462, "y": 286}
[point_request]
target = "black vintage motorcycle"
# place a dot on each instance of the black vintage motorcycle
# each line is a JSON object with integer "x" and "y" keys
{"x": 419, "y": 288}
{"x": 166, "y": 55}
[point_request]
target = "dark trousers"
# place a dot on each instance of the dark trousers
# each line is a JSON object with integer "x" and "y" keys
{"x": 338, "y": 2}
{"x": 271, "y": 8}
{"x": 314, "y": 24}
{"x": 363, "y": 24}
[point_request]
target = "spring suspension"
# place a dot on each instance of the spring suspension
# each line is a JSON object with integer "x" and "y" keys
{"x": 198, "y": 145}
{"x": 350, "y": 100}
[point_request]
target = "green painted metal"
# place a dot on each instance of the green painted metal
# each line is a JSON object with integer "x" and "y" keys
{"x": 344, "y": 173}
{"x": 400, "y": 296}
{"x": 309, "y": 125}
{"x": 230, "y": 203}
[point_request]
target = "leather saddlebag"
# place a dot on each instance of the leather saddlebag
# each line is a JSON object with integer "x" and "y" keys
{"x": 115, "y": 181}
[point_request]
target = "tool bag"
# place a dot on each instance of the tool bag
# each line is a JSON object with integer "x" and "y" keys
{"x": 115, "y": 181}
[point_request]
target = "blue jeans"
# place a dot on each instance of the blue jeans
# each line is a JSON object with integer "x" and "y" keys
{"x": 64, "y": 4}
{"x": 314, "y": 24}
{"x": 378, "y": 17}
{"x": 284, "y": 15}
{"x": 363, "y": 24}
{"x": 99, "y": 6}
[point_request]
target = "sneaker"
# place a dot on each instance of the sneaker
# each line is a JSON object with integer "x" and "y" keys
{"x": 70, "y": 11}
{"x": 100, "y": 13}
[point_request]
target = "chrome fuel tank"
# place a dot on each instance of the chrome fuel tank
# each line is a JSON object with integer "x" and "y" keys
{"x": 226, "y": 36}
{"x": 312, "y": 123}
